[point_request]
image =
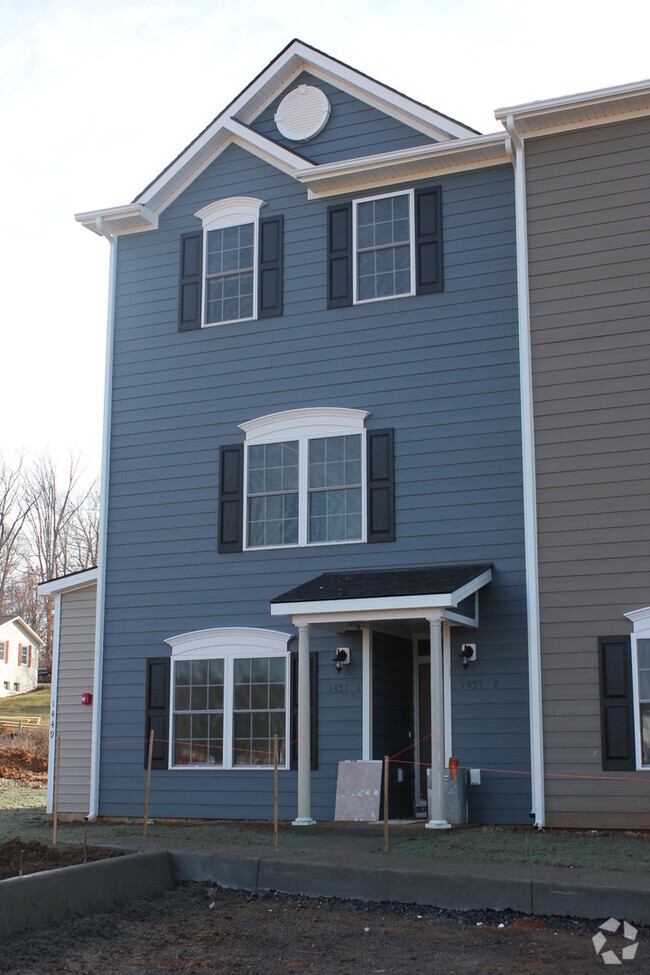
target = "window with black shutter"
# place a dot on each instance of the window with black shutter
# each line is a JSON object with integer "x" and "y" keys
{"x": 617, "y": 705}
{"x": 157, "y": 711}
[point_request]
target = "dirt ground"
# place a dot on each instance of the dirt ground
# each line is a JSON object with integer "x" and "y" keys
{"x": 22, "y": 765}
{"x": 201, "y": 929}
{"x": 22, "y": 857}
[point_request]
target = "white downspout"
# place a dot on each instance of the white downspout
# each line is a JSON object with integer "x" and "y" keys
{"x": 528, "y": 461}
{"x": 103, "y": 531}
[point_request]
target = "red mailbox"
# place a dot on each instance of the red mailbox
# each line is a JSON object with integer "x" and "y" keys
{"x": 86, "y": 698}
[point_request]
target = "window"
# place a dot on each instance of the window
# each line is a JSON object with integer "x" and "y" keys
{"x": 2, "y": 652}
{"x": 24, "y": 656}
{"x": 641, "y": 683}
{"x": 384, "y": 246}
{"x": 305, "y": 478}
{"x": 230, "y": 229}
{"x": 384, "y": 253}
{"x": 643, "y": 664}
{"x": 6, "y": 685}
{"x": 229, "y": 698}
{"x": 232, "y": 269}
{"x": 16, "y": 687}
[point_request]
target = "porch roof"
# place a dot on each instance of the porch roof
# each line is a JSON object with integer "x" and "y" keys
{"x": 412, "y": 591}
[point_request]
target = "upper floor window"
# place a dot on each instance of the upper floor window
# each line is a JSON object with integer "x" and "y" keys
{"x": 24, "y": 656}
{"x": 230, "y": 229}
{"x": 231, "y": 270}
{"x": 2, "y": 651}
{"x": 305, "y": 478}
{"x": 383, "y": 245}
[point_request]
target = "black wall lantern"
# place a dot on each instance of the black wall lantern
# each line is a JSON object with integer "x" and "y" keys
{"x": 467, "y": 653}
{"x": 342, "y": 656}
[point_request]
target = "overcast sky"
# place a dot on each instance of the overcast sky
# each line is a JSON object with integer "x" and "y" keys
{"x": 97, "y": 96}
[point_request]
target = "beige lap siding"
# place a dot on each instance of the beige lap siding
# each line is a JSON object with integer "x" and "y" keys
{"x": 589, "y": 252}
{"x": 74, "y": 719}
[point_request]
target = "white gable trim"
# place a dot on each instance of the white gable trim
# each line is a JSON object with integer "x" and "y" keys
{"x": 22, "y": 625}
{"x": 78, "y": 580}
{"x": 299, "y": 57}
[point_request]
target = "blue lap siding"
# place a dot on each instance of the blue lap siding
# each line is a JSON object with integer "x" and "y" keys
{"x": 441, "y": 369}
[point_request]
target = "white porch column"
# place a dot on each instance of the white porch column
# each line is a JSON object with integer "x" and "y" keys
{"x": 304, "y": 738}
{"x": 437, "y": 811}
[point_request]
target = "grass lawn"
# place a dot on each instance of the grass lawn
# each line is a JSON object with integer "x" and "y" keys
{"x": 34, "y": 704}
{"x": 22, "y": 813}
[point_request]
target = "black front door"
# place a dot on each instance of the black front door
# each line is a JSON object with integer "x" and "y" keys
{"x": 392, "y": 711}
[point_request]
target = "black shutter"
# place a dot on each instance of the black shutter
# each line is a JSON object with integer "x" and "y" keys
{"x": 428, "y": 240}
{"x": 270, "y": 269}
{"x": 381, "y": 488}
{"x": 339, "y": 255}
{"x": 231, "y": 498}
{"x": 190, "y": 283}
{"x": 157, "y": 711}
{"x": 313, "y": 711}
{"x": 616, "y": 703}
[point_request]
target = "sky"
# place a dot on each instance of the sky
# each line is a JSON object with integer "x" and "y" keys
{"x": 98, "y": 96}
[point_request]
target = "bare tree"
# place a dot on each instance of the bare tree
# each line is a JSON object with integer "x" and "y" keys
{"x": 85, "y": 530}
{"x": 55, "y": 502}
{"x": 23, "y": 599}
{"x": 14, "y": 508}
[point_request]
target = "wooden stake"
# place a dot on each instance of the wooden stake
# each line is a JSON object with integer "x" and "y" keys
{"x": 275, "y": 791}
{"x": 146, "y": 791}
{"x": 57, "y": 757}
{"x": 386, "y": 761}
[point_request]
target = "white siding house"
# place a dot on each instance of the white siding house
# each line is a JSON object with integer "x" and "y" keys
{"x": 19, "y": 648}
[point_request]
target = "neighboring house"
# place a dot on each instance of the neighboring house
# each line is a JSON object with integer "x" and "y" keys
{"x": 587, "y": 180}
{"x": 314, "y": 440}
{"x": 19, "y": 648}
{"x": 73, "y": 660}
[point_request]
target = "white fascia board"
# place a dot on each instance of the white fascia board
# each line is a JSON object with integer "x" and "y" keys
{"x": 79, "y": 580}
{"x": 579, "y": 100}
{"x": 417, "y": 606}
{"x": 404, "y": 165}
{"x": 468, "y": 621}
{"x": 572, "y": 112}
{"x": 136, "y": 217}
{"x": 129, "y": 219}
{"x": 362, "y": 616}
{"x": 471, "y": 587}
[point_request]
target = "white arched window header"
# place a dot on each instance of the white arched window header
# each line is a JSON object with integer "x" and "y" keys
{"x": 327, "y": 421}
{"x": 229, "y": 641}
{"x": 230, "y": 212}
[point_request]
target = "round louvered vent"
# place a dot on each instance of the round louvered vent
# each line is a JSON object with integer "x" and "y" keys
{"x": 303, "y": 113}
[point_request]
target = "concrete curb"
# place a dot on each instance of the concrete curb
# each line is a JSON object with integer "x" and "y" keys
{"x": 42, "y": 898}
{"x": 598, "y": 898}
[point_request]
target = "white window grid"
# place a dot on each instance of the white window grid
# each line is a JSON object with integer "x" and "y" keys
{"x": 355, "y": 257}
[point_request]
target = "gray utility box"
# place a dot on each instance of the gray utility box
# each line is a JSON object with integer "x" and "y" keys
{"x": 455, "y": 795}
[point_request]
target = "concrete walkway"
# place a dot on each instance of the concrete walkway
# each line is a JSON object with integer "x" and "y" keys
{"x": 338, "y": 863}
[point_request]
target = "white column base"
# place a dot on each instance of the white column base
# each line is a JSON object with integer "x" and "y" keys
{"x": 438, "y": 824}
{"x": 304, "y": 821}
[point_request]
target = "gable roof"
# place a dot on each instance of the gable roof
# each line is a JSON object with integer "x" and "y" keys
{"x": 19, "y": 621}
{"x": 232, "y": 126}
